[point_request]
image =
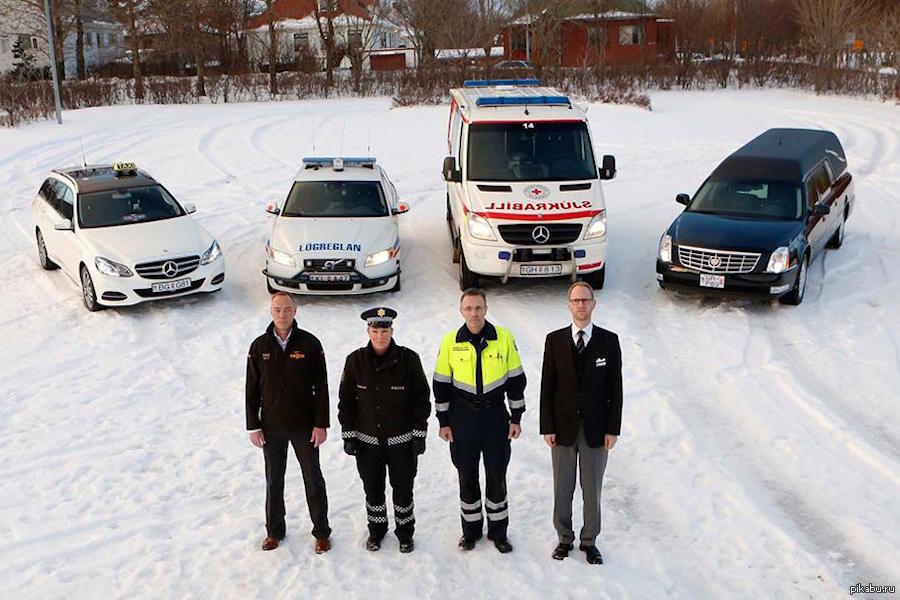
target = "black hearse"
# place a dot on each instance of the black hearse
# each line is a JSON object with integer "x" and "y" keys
{"x": 761, "y": 218}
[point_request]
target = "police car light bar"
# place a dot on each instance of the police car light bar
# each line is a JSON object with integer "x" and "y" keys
{"x": 312, "y": 162}
{"x": 474, "y": 83}
{"x": 523, "y": 100}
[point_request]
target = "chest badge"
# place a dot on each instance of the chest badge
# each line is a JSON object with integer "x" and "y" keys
{"x": 600, "y": 362}
{"x": 266, "y": 356}
{"x": 297, "y": 355}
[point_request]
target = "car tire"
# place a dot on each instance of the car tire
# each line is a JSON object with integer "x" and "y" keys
{"x": 596, "y": 279}
{"x": 88, "y": 293}
{"x": 46, "y": 263}
{"x": 837, "y": 240}
{"x": 795, "y": 296}
{"x": 467, "y": 279}
{"x": 661, "y": 285}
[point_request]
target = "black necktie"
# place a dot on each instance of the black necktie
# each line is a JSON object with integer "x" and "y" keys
{"x": 579, "y": 346}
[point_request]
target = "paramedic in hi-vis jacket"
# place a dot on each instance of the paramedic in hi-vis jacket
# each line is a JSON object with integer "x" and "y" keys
{"x": 477, "y": 366}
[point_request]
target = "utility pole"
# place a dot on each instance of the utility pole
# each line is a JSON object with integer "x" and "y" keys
{"x": 734, "y": 31}
{"x": 53, "y": 62}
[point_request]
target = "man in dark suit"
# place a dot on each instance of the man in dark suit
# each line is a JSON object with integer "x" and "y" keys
{"x": 287, "y": 403}
{"x": 581, "y": 416}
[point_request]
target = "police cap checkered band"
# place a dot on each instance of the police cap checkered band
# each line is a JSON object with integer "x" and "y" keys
{"x": 381, "y": 316}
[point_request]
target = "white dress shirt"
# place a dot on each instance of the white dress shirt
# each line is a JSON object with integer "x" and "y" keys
{"x": 587, "y": 333}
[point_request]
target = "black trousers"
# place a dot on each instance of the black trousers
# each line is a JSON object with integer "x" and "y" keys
{"x": 275, "y": 452}
{"x": 481, "y": 433}
{"x": 400, "y": 462}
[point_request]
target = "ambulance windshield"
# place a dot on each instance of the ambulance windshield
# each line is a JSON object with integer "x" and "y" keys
{"x": 335, "y": 199}
{"x": 532, "y": 151}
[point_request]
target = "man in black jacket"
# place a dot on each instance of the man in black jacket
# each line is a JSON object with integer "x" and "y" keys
{"x": 287, "y": 401}
{"x": 581, "y": 416}
{"x": 383, "y": 411}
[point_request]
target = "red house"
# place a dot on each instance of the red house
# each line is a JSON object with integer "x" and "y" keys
{"x": 612, "y": 38}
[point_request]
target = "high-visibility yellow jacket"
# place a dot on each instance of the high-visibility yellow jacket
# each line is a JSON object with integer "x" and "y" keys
{"x": 478, "y": 370}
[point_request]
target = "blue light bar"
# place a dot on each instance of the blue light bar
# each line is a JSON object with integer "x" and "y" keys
{"x": 474, "y": 83}
{"x": 523, "y": 101}
{"x": 349, "y": 161}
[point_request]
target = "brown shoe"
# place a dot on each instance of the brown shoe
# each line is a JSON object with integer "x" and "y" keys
{"x": 270, "y": 543}
{"x": 323, "y": 546}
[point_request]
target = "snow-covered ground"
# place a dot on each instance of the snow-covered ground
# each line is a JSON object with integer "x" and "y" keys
{"x": 760, "y": 452}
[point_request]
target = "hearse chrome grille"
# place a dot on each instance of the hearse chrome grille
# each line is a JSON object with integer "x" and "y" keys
{"x": 717, "y": 261}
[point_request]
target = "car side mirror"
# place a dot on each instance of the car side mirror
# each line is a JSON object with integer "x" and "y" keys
{"x": 608, "y": 170}
{"x": 451, "y": 173}
{"x": 64, "y": 225}
{"x": 272, "y": 209}
{"x": 683, "y": 199}
{"x": 400, "y": 209}
{"x": 190, "y": 207}
{"x": 821, "y": 209}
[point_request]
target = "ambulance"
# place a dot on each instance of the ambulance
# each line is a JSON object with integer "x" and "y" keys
{"x": 523, "y": 189}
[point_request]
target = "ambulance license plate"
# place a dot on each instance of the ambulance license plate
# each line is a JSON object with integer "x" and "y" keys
{"x": 171, "y": 286}
{"x": 328, "y": 277}
{"x": 540, "y": 270}
{"x": 712, "y": 281}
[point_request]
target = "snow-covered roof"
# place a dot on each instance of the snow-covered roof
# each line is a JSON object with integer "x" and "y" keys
{"x": 610, "y": 15}
{"x": 451, "y": 53}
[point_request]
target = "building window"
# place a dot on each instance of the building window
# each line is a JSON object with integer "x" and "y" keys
{"x": 324, "y": 5}
{"x": 99, "y": 42}
{"x": 88, "y": 40}
{"x": 517, "y": 41}
{"x": 301, "y": 40}
{"x": 631, "y": 35}
{"x": 597, "y": 36}
{"x": 354, "y": 38}
{"x": 34, "y": 43}
{"x": 4, "y": 44}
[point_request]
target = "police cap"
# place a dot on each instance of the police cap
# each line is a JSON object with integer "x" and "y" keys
{"x": 381, "y": 316}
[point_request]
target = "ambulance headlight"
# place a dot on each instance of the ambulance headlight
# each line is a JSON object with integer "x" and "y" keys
{"x": 111, "y": 268}
{"x": 380, "y": 257}
{"x": 211, "y": 254}
{"x": 597, "y": 227}
{"x": 665, "y": 248}
{"x": 479, "y": 227}
{"x": 279, "y": 257}
{"x": 780, "y": 260}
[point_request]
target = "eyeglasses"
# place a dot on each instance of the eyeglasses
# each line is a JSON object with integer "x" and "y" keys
{"x": 580, "y": 300}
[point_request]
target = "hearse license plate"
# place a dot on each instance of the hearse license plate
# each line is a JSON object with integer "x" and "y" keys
{"x": 327, "y": 277}
{"x": 171, "y": 286}
{"x": 540, "y": 270}
{"x": 712, "y": 281}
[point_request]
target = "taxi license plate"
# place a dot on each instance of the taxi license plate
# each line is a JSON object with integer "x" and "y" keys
{"x": 171, "y": 286}
{"x": 540, "y": 270}
{"x": 326, "y": 277}
{"x": 712, "y": 281}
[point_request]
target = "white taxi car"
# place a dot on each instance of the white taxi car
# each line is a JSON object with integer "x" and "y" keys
{"x": 337, "y": 231}
{"x": 122, "y": 236}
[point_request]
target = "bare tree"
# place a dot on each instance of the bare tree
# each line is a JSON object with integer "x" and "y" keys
{"x": 324, "y": 12}
{"x": 825, "y": 23}
{"x": 131, "y": 14}
{"x": 421, "y": 21}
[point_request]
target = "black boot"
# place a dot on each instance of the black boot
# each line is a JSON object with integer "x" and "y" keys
{"x": 466, "y": 544}
{"x": 373, "y": 543}
{"x": 503, "y": 546}
{"x": 407, "y": 546}
{"x": 593, "y": 555}
{"x": 562, "y": 551}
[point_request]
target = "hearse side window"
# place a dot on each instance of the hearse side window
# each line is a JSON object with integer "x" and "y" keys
{"x": 812, "y": 194}
{"x": 823, "y": 182}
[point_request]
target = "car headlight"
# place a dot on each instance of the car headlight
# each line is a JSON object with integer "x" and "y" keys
{"x": 211, "y": 254}
{"x": 665, "y": 248}
{"x": 282, "y": 258}
{"x": 111, "y": 268}
{"x": 377, "y": 258}
{"x": 597, "y": 226}
{"x": 479, "y": 227}
{"x": 780, "y": 261}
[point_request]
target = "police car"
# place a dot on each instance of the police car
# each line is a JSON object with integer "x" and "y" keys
{"x": 337, "y": 231}
{"x": 122, "y": 236}
{"x": 524, "y": 194}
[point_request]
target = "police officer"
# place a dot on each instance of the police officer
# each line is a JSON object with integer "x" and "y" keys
{"x": 478, "y": 364}
{"x": 287, "y": 403}
{"x": 383, "y": 411}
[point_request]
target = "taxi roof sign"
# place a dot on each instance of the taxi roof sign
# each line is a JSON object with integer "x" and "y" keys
{"x": 125, "y": 168}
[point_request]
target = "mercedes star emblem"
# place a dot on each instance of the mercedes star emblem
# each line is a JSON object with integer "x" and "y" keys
{"x": 540, "y": 234}
{"x": 170, "y": 269}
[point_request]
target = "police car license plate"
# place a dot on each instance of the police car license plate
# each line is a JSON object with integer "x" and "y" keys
{"x": 171, "y": 286}
{"x": 712, "y": 281}
{"x": 540, "y": 270}
{"x": 326, "y": 277}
